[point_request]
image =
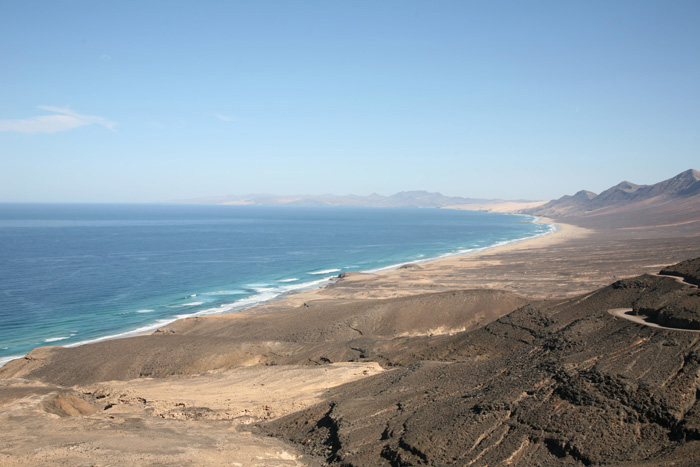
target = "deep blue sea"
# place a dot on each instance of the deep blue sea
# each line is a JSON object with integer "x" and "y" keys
{"x": 71, "y": 274}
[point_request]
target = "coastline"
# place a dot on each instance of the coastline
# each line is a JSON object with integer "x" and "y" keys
{"x": 485, "y": 268}
{"x": 379, "y": 280}
{"x": 296, "y": 295}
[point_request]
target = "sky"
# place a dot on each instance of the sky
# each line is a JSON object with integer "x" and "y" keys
{"x": 120, "y": 101}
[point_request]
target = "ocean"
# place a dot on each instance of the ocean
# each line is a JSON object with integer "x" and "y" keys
{"x": 77, "y": 273}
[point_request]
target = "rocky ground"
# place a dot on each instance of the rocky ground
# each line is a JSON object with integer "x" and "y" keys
{"x": 552, "y": 383}
{"x": 688, "y": 270}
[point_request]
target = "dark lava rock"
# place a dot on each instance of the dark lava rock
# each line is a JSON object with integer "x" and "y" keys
{"x": 681, "y": 310}
{"x": 667, "y": 302}
{"x": 552, "y": 383}
{"x": 688, "y": 270}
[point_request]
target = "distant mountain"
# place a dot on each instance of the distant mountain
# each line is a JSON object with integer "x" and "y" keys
{"x": 674, "y": 201}
{"x": 417, "y": 199}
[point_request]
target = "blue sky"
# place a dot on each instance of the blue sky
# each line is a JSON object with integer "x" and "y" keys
{"x": 152, "y": 101}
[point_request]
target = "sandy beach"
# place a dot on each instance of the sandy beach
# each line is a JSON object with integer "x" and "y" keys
{"x": 564, "y": 263}
{"x": 191, "y": 393}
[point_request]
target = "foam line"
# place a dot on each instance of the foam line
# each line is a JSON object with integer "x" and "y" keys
{"x": 325, "y": 271}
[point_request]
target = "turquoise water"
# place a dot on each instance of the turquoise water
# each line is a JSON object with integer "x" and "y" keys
{"x": 71, "y": 274}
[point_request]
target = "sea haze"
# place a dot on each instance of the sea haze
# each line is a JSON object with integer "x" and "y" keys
{"x": 71, "y": 274}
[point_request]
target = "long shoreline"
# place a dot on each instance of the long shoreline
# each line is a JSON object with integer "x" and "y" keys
{"x": 536, "y": 220}
{"x": 565, "y": 262}
{"x": 272, "y": 361}
{"x": 313, "y": 288}
{"x": 319, "y": 285}
{"x": 560, "y": 232}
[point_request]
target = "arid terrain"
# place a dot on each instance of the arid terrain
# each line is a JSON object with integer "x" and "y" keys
{"x": 527, "y": 354}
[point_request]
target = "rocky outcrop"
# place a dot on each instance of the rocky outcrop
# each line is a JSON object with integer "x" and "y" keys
{"x": 688, "y": 270}
{"x": 671, "y": 305}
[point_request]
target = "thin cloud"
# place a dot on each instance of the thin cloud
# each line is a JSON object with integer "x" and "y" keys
{"x": 65, "y": 119}
{"x": 225, "y": 118}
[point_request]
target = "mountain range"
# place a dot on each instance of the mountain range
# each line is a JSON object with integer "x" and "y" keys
{"x": 417, "y": 199}
{"x": 623, "y": 205}
{"x": 674, "y": 201}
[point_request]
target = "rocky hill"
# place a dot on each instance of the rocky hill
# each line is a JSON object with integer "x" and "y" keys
{"x": 552, "y": 383}
{"x": 672, "y": 201}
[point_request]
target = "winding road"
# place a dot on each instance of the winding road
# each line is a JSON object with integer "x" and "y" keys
{"x": 680, "y": 279}
{"x": 623, "y": 312}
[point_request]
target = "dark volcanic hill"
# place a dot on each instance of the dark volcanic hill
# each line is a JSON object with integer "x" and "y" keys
{"x": 672, "y": 202}
{"x": 552, "y": 383}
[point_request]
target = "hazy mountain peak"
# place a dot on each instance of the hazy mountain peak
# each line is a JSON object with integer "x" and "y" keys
{"x": 689, "y": 174}
{"x": 584, "y": 194}
{"x": 627, "y": 186}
